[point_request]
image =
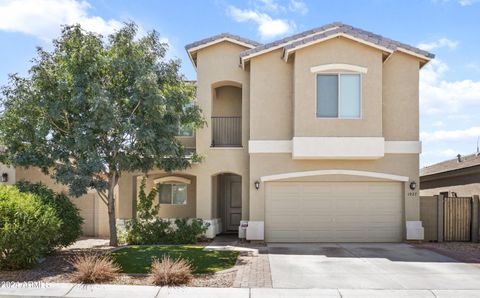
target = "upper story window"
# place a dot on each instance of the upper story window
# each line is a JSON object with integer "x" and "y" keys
{"x": 185, "y": 131}
{"x": 339, "y": 95}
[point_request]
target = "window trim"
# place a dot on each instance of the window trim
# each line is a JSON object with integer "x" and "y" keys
{"x": 171, "y": 193}
{"x": 338, "y": 74}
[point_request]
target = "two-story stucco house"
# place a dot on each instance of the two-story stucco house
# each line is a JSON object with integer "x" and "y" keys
{"x": 311, "y": 138}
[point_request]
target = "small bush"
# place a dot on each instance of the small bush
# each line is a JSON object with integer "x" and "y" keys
{"x": 28, "y": 228}
{"x": 71, "y": 221}
{"x": 188, "y": 231}
{"x": 171, "y": 272}
{"x": 94, "y": 269}
{"x": 152, "y": 232}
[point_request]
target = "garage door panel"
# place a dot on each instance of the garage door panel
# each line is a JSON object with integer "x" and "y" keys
{"x": 334, "y": 212}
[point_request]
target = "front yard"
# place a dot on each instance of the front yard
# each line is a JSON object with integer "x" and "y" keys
{"x": 137, "y": 259}
{"x": 135, "y": 262}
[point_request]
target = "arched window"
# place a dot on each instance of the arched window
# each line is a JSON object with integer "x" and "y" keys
{"x": 173, "y": 190}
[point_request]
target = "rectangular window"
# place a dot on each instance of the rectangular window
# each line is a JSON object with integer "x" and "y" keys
{"x": 338, "y": 96}
{"x": 173, "y": 194}
{"x": 185, "y": 131}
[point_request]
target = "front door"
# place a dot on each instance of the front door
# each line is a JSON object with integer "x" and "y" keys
{"x": 233, "y": 202}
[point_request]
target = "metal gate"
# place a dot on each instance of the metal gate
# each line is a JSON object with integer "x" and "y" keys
{"x": 457, "y": 219}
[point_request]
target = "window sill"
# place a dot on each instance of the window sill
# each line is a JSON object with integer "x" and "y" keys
{"x": 225, "y": 147}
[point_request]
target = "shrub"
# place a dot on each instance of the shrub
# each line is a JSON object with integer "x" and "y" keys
{"x": 187, "y": 231}
{"x": 28, "y": 228}
{"x": 94, "y": 269}
{"x": 151, "y": 232}
{"x": 65, "y": 210}
{"x": 171, "y": 272}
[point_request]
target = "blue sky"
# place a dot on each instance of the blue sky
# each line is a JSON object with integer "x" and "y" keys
{"x": 449, "y": 85}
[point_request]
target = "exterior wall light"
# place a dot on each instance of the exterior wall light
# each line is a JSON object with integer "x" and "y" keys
{"x": 5, "y": 177}
{"x": 257, "y": 184}
{"x": 413, "y": 185}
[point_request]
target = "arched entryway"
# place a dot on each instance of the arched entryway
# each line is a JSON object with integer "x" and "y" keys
{"x": 227, "y": 195}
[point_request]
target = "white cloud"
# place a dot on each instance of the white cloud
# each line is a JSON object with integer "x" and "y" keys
{"x": 438, "y": 124}
{"x": 42, "y": 18}
{"x": 442, "y": 42}
{"x": 440, "y": 97}
{"x": 270, "y": 5}
{"x": 448, "y": 153}
{"x": 451, "y": 135}
{"x": 268, "y": 27}
{"x": 461, "y": 2}
{"x": 467, "y": 2}
{"x": 298, "y": 6}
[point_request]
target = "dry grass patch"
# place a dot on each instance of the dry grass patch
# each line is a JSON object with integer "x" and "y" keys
{"x": 94, "y": 269}
{"x": 171, "y": 272}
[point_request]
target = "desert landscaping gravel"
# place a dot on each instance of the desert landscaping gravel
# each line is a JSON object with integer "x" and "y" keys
{"x": 57, "y": 268}
{"x": 461, "y": 251}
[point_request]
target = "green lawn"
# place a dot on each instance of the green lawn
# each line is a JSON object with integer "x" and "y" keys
{"x": 137, "y": 259}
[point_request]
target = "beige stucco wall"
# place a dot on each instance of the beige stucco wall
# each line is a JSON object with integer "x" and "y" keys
{"x": 338, "y": 50}
{"x": 271, "y": 111}
{"x": 92, "y": 208}
{"x": 400, "y": 98}
{"x": 227, "y": 101}
{"x": 270, "y": 164}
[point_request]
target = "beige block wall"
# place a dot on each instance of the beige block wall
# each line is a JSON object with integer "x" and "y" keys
{"x": 92, "y": 208}
{"x": 271, "y": 110}
{"x": 400, "y": 98}
{"x": 466, "y": 190}
{"x": 270, "y": 164}
{"x": 337, "y": 50}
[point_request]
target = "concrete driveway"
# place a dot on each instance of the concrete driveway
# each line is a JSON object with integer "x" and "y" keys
{"x": 367, "y": 266}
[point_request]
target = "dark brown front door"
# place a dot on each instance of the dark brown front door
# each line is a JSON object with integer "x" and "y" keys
{"x": 233, "y": 202}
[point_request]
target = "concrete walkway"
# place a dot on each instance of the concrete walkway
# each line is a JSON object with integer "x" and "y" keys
{"x": 120, "y": 291}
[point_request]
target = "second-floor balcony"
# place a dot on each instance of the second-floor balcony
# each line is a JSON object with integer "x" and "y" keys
{"x": 227, "y": 131}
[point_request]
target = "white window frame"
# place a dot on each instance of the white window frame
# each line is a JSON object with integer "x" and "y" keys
{"x": 338, "y": 74}
{"x": 171, "y": 193}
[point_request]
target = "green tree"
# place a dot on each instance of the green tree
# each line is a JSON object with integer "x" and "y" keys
{"x": 93, "y": 108}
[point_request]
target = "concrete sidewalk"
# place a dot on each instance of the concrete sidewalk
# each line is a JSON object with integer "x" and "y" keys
{"x": 118, "y": 291}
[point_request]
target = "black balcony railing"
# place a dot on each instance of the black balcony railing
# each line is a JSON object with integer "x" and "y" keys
{"x": 226, "y": 131}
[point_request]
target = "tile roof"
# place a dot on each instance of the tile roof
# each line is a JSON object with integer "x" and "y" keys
{"x": 451, "y": 165}
{"x": 220, "y": 36}
{"x": 332, "y": 29}
{"x": 289, "y": 39}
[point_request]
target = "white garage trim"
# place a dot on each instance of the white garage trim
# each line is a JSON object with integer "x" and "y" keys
{"x": 334, "y": 172}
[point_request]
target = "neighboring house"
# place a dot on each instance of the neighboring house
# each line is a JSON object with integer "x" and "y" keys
{"x": 460, "y": 176}
{"x": 314, "y": 137}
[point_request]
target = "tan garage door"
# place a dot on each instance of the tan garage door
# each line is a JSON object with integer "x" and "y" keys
{"x": 333, "y": 212}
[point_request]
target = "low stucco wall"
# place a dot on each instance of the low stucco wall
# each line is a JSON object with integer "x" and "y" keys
{"x": 92, "y": 208}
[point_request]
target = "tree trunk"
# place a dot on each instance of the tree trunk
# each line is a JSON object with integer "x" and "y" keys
{"x": 112, "y": 183}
